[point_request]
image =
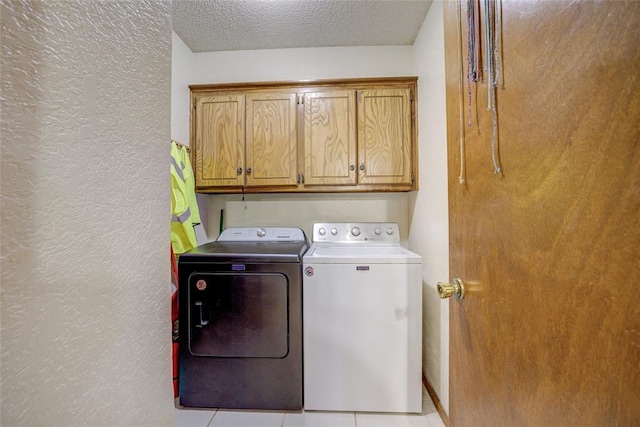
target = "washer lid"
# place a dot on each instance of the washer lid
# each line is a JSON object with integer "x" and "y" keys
{"x": 348, "y": 254}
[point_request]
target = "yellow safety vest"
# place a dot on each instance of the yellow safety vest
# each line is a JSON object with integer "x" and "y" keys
{"x": 183, "y": 204}
{"x": 190, "y": 184}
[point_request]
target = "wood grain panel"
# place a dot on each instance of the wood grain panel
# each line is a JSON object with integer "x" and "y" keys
{"x": 384, "y": 136}
{"x": 306, "y": 86}
{"x": 283, "y": 181}
{"x": 271, "y": 145}
{"x": 549, "y": 331}
{"x": 219, "y": 145}
{"x": 330, "y": 138}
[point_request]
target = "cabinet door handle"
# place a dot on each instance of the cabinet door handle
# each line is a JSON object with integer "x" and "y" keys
{"x": 248, "y": 171}
{"x": 361, "y": 166}
{"x": 239, "y": 170}
{"x": 352, "y": 167}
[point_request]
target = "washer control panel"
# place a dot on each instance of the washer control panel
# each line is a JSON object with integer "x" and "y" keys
{"x": 347, "y": 232}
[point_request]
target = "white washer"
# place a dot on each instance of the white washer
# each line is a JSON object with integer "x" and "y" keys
{"x": 362, "y": 320}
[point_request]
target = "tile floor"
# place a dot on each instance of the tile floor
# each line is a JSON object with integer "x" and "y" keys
{"x": 227, "y": 418}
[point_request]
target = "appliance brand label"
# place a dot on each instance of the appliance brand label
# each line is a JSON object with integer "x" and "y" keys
{"x": 308, "y": 271}
{"x": 238, "y": 267}
{"x": 362, "y": 267}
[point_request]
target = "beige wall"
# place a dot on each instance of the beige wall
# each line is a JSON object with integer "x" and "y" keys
{"x": 429, "y": 227}
{"x": 181, "y": 71}
{"x": 303, "y": 64}
{"x": 85, "y": 199}
{"x": 304, "y": 210}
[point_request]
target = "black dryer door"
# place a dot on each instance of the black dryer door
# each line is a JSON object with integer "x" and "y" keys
{"x": 238, "y": 314}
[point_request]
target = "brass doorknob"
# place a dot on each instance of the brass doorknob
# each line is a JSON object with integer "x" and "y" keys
{"x": 455, "y": 288}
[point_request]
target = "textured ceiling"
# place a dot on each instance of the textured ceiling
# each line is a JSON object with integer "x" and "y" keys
{"x": 218, "y": 25}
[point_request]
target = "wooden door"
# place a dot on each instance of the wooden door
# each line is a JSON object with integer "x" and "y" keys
{"x": 330, "y": 138}
{"x": 548, "y": 333}
{"x": 219, "y": 141}
{"x": 384, "y": 136}
{"x": 271, "y": 145}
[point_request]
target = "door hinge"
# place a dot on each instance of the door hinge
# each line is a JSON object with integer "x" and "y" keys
{"x": 300, "y": 98}
{"x": 411, "y": 95}
{"x": 411, "y": 178}
{"x": 194, "y": 104}
{"x": 300, "y": 178}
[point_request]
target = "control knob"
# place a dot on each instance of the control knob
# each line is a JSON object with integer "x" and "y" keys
{"x": 355, "y": 231}
{"x": 261, "y": 232}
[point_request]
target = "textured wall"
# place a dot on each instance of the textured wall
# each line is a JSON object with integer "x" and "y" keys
{"x": 85, "y": 201}
{"x": 429, "y": 219}
{"x": 277, "y": 24}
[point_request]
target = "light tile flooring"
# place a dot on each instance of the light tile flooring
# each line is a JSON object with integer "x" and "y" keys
{"x": 227, "y": 418}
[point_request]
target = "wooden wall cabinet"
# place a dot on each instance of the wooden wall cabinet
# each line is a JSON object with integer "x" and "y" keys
{"x": 245, "y": 140}
{"x": 384, "y": 137}
{"x": 271, "y": 139}
{"x": 217, "y": 141}
{"x": 329, "y": 143}
{"x": 325, "y": 136}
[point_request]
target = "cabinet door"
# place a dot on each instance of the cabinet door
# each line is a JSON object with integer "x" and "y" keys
{"x": 384, "y": 136}
{"x": 271, "y": 144}
{"x": 219, "y": 141}
{"x": 330, "y": 138}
